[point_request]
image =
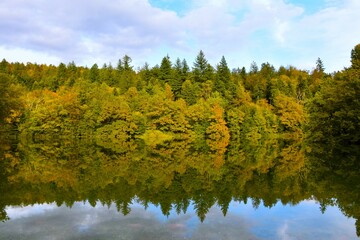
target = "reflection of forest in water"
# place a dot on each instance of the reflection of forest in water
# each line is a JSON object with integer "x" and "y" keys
{"x": 175, "y": 174}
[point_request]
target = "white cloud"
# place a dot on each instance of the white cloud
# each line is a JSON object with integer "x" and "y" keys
{"x": 15, "y": 54}
{"x": 78, "y": 30}
{"x": 268, "y": 30}
{"x": 329, "y": 34}
{"x": 282, "y": 232}
{"x": 28, "y": 211}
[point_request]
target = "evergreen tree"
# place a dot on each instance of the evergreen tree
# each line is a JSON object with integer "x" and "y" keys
{"x": 178, "y": 67}
{"x": 120, "y": 66}
{"x": 254, "y": 67}
{"x": 201, "y": 67}
{"x": 94, "y": 73}
{"x": 127, "y": 63}
{"x": 243, "y": 73}
{"x": 72, "y": 73}
{"x": 267, "y": 70}
{"x": 319, "y": 66}
{"x": 185, "y": 68}
{"x": 145, "y": 73}
{"x": 3, "y": 66}
{"x": 166, "y": 74}
{"x": 61, "y": 77}
{"x": 127, "y": 75}
{"x": 178, "y": 78}
{"x": 222, "y": 77}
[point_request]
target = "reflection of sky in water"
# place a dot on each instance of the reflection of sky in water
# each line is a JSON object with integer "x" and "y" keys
{"x": 304, "y": 221}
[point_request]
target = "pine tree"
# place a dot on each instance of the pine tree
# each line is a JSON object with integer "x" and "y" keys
{"x": 254, "y": 68}
{"x": 185, "y": 69}
{"x": 222, "y": 76}
{"x": 126, "y": 74}
{"x": 166, "y": 70}
{"x": 178, "y": 78}
{"x": 126, "y": 63}
{"x": 61, "y": 77}
{"x": 200, "y": 68}
{"x": 319, "y": 66}
{"x": 3, "y": 66}
{"x": 94, "y": 73}
{"x": 120, "y": 66}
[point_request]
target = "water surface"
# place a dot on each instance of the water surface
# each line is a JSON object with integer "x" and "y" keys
{"x": 81, "y": 190}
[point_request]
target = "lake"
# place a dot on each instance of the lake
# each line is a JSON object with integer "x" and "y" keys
{"x": 274, "y": 189}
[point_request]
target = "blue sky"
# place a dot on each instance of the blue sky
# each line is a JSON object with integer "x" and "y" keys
{"x": 281, "y": 32}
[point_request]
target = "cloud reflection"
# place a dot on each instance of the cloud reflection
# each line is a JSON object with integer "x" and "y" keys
{"x": 85, "y": 222}
{"x": 47, "y": 221}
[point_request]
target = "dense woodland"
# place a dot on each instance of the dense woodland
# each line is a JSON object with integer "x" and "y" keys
{"x": 173, "y": 101}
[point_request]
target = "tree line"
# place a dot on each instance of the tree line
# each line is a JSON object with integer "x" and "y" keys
{"x": 173, "y": 101}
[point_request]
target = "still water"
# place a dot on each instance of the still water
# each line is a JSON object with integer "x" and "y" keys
{"x": 82, "y": 221}
{"x": 85, "y": 190}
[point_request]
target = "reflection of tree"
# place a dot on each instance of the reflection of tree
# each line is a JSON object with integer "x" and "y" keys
{"x": 174, "y": 174}
{"x": 335, "y": 178}
{"x": 8, "y": 162}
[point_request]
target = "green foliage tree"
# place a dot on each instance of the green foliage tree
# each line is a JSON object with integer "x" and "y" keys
{"x": 4, "y": 66}
{"x": 166, "y": 72}
{"x": 127, "y": 77}
{"x": 202, "y": 70}
{"x": 223, "y": 75}
{"x": 254, "y": 67}
{"x": 94, "y": 73}
{"x": 319, "y": 66}
{"x": 334, "y": 111}
{"x": 355, "y": 57}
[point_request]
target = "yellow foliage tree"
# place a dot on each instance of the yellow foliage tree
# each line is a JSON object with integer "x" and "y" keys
{"x": 291, "y": 114}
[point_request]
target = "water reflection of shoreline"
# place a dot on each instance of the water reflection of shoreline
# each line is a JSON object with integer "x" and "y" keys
{"x": 172, "y": 176}
{"x": 242, "y": 222}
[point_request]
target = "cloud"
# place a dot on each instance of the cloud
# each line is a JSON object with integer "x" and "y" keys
{"x": 328, "y": 34}
{"x": 15, "y": 54}
{"x": 276, "y": 31}
{"x": 238, "y": 27}
{"x": 82, "y": 221}
{"x": 83, "y": 29}
{"x": 282, "y": 232}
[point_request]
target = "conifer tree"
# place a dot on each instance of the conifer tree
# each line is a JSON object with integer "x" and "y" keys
{"x": 94, "y": 73}
{"x": 200, "y": 68}
{"x": 320, "y": 65}
{"x": 3, "y": 66}
{"x": 185, "y": 69}
{"x": 166, "y": 70}
{"x": 127, "y": 63}
{"x": 178, "y": 78}
{"x": 222, "y": 76}
{"x": 254, "y": 67}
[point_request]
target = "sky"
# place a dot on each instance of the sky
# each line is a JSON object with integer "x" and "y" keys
{"x": 281, "y": 32}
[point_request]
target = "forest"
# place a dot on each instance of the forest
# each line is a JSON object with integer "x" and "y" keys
{"x": 172, "y": 135}
{"x": 211, "y": 106}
